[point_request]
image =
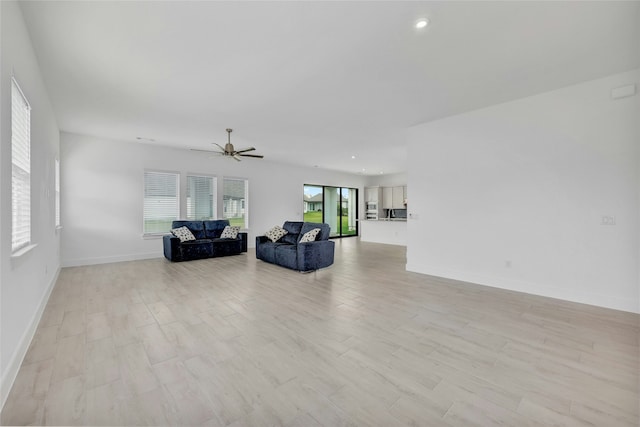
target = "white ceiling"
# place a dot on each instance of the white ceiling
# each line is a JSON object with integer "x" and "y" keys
{"x": 313, "y": 83}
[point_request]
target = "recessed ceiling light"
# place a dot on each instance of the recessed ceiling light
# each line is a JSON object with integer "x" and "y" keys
{"x": 422, "y": 23}
{"x": 353, "y": 157}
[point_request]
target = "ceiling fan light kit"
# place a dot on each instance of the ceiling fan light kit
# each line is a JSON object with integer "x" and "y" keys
{"x": 229, "y": 151}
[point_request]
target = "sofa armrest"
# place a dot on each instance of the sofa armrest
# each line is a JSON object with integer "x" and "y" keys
{"x": 261, "y": 239}
{"x": 243, "y": 236}
{"x": 315, "y": 255}
{"x": 171, "y": 245}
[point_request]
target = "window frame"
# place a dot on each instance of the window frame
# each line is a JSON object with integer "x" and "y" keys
{"x": 340, "y": 233}
{"x": 57, "y": 214}
{"x": 20, "y": 189}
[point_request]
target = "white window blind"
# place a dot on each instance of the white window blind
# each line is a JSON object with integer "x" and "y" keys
{"x": 57, "y": 184}
{"x": 234, "y": 198}
{"x": 201, "y": 197}
{"x": 161, "y": 201}
{"x": 20, "y": 169}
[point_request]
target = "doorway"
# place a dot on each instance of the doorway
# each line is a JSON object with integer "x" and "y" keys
{"x": 336, "y": 206}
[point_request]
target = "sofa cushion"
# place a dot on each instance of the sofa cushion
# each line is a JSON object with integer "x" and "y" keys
{"x": 196, "y": 249}
{"x": 290, "y": 238}
{"x": 230, "y": 232}
{"x": 310, "y": 236}
{"x": 213, "y": 228}
{"x": 293, "y": 227}
{"x": 276, "y": 233}
{"x": 183, "y": 233}
{"x": 196, "y": 227}
{"x": 225, "y": 246}
{"x": 267, "y": 251}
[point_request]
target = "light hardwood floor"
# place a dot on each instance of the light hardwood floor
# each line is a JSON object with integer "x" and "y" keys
{"x": 235, "y": 341}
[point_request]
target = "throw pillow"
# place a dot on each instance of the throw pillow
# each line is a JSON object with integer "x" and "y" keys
{"x": 310, "y": 236}
{"x": 276, "y": 233}
{"x": 183, "y": 233}
{"x": 230, "y": 232}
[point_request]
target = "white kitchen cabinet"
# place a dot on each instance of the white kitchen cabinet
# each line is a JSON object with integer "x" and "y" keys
{"x": 372, "y": 194}
{"x": 387, "y": 198}
{"x": 398, "y": 198}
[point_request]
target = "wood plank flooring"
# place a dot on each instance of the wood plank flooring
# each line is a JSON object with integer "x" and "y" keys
{"x": 237, "y": 342}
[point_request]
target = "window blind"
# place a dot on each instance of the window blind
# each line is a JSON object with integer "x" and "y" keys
{"x": 20, "y": 168}
{"x": 201, "y": 196}
{"x": 161, "y": 201}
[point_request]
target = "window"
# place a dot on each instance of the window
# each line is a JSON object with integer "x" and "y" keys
{"x": 20, "y": 169}
{"x": 201, "y": 197}
{"x": 161, "y": 201}
{"x": 57, "y": 185}
{"x": 235, "y": 201}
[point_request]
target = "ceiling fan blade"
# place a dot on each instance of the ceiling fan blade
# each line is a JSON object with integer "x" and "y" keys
{"x": 245, "y": 150}
{"x": 257, "y": 156}
{"x": 235, "y": 156}
{"x": 220, "y": 146}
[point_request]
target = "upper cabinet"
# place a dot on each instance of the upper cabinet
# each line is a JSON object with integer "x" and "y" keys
{"x": 372, "y": 194}
{"x": 387, "y": 198}
{"x": 394, "y": 197}
{"x": 398, "y": 198}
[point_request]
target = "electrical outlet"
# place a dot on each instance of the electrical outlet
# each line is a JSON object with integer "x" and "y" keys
{"x": 608, "y": 220}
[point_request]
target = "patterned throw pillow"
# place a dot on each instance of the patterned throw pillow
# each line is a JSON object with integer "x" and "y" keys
{"x": 276, "y": 233}
{"x": 183, "y": 233}
{"x": 230, "y": 232}
{"x": 310, "y": 236}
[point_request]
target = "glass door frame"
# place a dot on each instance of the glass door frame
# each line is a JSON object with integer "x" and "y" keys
{"x": 341, "y": 200}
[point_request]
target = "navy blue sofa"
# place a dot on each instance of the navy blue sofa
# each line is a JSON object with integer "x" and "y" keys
{"x": 288, "y": 252}
{"x": 208, "y": 243}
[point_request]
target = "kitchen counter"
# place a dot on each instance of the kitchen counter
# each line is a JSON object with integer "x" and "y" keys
{"x": 391, "y": 231}
{"x": 387, "y": 219}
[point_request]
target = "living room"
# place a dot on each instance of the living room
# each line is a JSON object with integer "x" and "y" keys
{"x": 533, "y": 188}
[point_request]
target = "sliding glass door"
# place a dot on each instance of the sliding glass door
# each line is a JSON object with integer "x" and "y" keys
{"x": 336, "y": 206}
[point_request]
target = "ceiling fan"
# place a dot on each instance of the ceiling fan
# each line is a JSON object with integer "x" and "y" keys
{"x": 229, "y": 151}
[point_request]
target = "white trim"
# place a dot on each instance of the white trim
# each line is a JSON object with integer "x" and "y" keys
{"x": 111, "y": 259}
{"x": 10, "y": 374}
{"x": 539, "y": 289}
{"x": 23, "y": 250}
{"x": 153, "y": 236}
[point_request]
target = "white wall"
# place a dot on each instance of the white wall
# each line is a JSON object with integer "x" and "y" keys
{"x": 27, "y": 280}
{"x": 387, "y": 180}
{"x": 526, "y": 184}
{"x": 102, "y": 183}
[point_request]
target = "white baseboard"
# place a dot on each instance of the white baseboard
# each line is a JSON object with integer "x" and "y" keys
{"x": 10, "y": 374}
{"x": 540, "y": 289}
{"x": 110, "y": 259}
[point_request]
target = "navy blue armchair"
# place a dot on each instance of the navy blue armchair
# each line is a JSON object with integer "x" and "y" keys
{"x": 289, "y": 252}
